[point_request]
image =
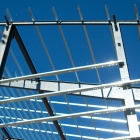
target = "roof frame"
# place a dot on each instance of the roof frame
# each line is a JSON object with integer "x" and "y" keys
{"x": 115, "y": 26}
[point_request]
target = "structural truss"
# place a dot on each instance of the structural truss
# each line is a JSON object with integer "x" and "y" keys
{"x": 68, "y": 95}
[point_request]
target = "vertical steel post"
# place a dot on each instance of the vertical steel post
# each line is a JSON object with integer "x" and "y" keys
{"x": 4, "y": 49}
{"x": 124, "y": 73}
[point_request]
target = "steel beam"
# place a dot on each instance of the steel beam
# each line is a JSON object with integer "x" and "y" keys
{"x": 50, "y": 86}
{"x": 33, "y": 70}
{"x": 61, "y": 71}
{"x": 42, "y": 95}
{"x": 72, "y": 22}
{"x": 73, "y": 115}
{"x": 124, "y": 73}
{"x": 4, "y": 49}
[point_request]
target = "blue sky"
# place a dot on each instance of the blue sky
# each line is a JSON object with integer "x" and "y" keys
{"x": 68, "y": 10}
{"x": 102, "y": 44}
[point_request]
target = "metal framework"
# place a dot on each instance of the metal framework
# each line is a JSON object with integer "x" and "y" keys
{"x": 37, "y": 92}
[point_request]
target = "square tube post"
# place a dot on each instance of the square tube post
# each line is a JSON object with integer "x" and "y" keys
{"x": 124, "y": 73}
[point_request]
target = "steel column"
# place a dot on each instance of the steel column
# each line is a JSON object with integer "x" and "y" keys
{"x": 33, "y": 70}
{"x": 124, "y": 73}
{"x": 4, "y": 49}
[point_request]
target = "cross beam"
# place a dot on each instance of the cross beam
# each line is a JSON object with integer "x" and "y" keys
{"x": 73, "y": 115}
{"x": 70, "y": 91}
{"x": 38, "y": 75}
{"x": 72, "y": 22}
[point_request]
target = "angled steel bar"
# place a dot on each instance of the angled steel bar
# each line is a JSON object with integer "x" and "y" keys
{"x": 9, "y": 15}
{"x": 42, "y": 95}
{"x": 25, "y": 53}
{"x": 73, "y": 115}
{"x": 6, "y": 133}
{"x": 108, "y": 17}
{"x": 107, "y": 12}
{"x": 33, "y": 70}
{"x": 20, "y": 69}
{"x": 101, "y": 65}
{"x": 24, "y": 110}
{"x": 43, "y": 43}
{"x": 94, "y": 60}
{"x": 66, "y": 44}
{"x": 4, "y": 49}
{"x": 90, "y": 46}
{"x": 46, "y": 51}
{"x": 91, "y": 50}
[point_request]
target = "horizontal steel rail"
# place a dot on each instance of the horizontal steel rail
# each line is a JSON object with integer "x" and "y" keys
{"x": 112, "y": 63}
{"x": 74, "y": 22}
{"x": 49, "y": 94}
{"x": 73, "y": 115}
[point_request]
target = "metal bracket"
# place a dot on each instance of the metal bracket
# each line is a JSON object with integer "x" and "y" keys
{"x": 127, "y": 86}
{"x": 115, "y": 23}
{"x": 121, "y": 64}
{"x": 130, "y": 111}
